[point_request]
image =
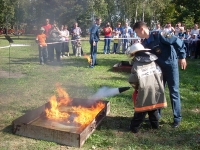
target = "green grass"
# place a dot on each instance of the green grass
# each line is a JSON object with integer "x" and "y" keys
{"x": 28, "y": 85}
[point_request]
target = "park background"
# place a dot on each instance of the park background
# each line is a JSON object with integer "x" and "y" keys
{"x": 29, "y": 15}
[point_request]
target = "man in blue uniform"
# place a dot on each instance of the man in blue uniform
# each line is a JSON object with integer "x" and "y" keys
{"x": 168, "y": 49}
{"x": 94, "y": 38}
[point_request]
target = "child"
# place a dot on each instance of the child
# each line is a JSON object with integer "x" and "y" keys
{"x": 146, "y": 78}
{"x": 78, "y": 47}
{"x": 116, "y": 40}
{"x": 42, "y": 46}
{"x": 181, "y": 34}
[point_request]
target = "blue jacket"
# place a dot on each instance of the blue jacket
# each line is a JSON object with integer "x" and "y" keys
{"x": 94, "y": 33}
{"x": 168, "y": 48}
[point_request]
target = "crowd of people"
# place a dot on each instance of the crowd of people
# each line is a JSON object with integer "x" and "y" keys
{"x": 122, "y": 36}
{"x": 52, "y": 38}
{"x": 190, "y": 36}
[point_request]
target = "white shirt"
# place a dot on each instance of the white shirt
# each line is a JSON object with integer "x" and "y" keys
{"x": 193, "y": 31}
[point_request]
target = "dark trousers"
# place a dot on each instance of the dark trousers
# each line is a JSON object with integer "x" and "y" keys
{"x": 73, "y": 42}
{"x": 64, "y": 48}
{"x": 197, "y": 52}
{"x": 57, "y": 47}
{"x": 43, "y": 54}
{"x": 93, "y": 53}
{"x": 139, "y": 117}
{"x": 49, "y": 49}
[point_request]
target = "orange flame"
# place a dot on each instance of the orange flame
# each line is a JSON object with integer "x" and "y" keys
{"x": 83, "y": 115}
{"x": 86, "y": 115}
{"x": 88, "y": 58}
{"x": 53, "y": 112}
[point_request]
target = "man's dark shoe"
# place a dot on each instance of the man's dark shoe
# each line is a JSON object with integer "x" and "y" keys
{"x": 175, "y": 124}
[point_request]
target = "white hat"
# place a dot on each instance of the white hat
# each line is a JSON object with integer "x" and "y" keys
{"x": 42, "y": 29}
{"x": 136, "y": 47}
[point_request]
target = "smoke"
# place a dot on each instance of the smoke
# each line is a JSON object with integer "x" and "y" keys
{"x": 104, "y": 92}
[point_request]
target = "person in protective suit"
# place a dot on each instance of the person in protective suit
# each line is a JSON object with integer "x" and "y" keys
{"x": 168, "y": 48}
{"x": 146, "y": 78}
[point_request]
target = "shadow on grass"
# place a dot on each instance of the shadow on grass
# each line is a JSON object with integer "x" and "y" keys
{"x": 8, "y": 129}
{"x": 166, "y": 136}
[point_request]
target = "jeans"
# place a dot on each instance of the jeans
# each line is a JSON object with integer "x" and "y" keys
{"x": 171, "y": 77}
{"x": 43, "y": 54}
{"x": 107, "y": 41}
{"x": 93, "y": 53}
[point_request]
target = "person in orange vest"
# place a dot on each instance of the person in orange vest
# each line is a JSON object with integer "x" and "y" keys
{"x": 146, "y": 79}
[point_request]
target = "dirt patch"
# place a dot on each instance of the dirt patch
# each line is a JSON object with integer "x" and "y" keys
{"x": 7, "y": 74}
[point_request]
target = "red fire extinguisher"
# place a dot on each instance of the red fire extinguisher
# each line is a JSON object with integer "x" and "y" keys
{"x": 134, "y": 96}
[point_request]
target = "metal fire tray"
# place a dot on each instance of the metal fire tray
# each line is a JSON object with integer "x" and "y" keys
{"x": 35, "y": 125}
{"x": 122, "y": 66}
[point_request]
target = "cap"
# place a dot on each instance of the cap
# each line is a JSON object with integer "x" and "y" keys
{"x": 42, "y": 29}
{"x": 136, "y": 47}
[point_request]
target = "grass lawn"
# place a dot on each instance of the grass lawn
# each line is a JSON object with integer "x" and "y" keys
{"x": 25, "y": 85}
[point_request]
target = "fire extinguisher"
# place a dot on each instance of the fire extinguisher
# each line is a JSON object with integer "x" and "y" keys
{"x": 134, "y": 96}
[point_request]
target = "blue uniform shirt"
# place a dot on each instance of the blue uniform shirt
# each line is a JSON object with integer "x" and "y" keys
{"x": 167, "y": 47}
{"x": 94, "y": 33}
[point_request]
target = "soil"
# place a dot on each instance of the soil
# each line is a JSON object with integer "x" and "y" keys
{"x": 7, "y": 74}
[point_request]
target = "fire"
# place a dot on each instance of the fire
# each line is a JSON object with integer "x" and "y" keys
{"x": 86, "y": 115}
{"x": 81, "y": 115}
{"x": 53, "y": 112}
{"x": 63, "y": 96}
{"x": 88, "y": 58}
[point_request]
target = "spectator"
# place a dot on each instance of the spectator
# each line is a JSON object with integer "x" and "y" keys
{"x": 107, "y": 35}
{"x": 195, "y": 30}
{"x": 42, "y": 46}
{"x": 94, "y": 38}
{"x": 178, "y": 29}
{"x": 181, "y": 34}
{"x": 197, "y": 52}
{"x": 116, "y": 41}
{"x": 146, "y": 78}
{"x": 119, "y": 31}
{"x": 55, "y": 38}
{"x": 158, "y": 27}
{"x": 78, "y": 47}
{"x": 75, "y": 32}
{"x": 127, "y": 33}
{"x": 192, "y": 45}
{"x": 168, "y": 49}
{"x": 47, "y": 28}
{"x": 186, "y": 41}
{"x": 65, "y": 39}
{"x": 168, "y": 28}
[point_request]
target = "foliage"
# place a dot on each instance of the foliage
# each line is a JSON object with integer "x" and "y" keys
{"x": 34, "y": 12}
